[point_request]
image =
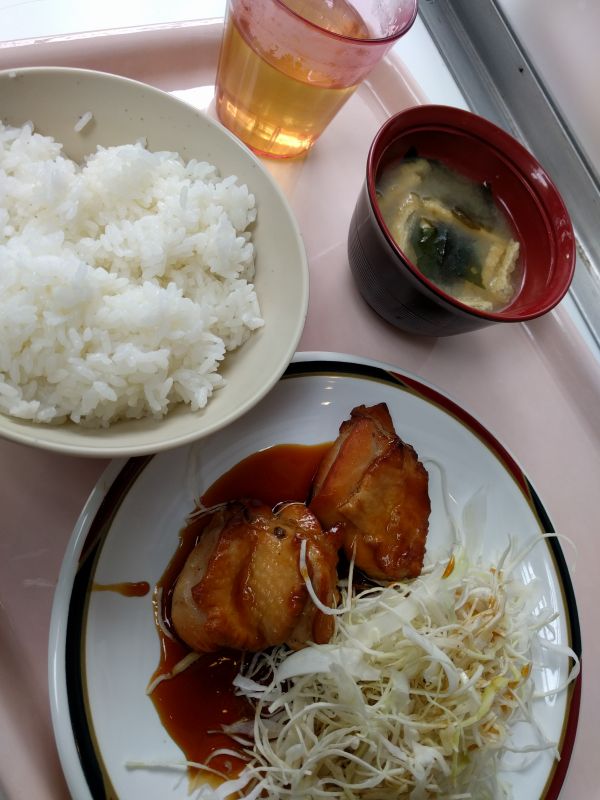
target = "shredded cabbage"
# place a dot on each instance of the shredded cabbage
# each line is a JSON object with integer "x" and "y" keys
{"x": 414, "y": 697}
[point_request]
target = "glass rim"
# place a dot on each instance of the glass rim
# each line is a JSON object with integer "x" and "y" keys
{"x": 343, "y": 38}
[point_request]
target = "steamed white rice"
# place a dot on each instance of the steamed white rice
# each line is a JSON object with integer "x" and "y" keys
{"x": 123, "y": 283}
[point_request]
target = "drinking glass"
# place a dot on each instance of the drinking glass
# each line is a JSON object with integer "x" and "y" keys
{"x": 286, "y": 67}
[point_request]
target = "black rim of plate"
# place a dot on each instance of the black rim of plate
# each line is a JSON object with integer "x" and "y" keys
{"x": 96, "y": 775}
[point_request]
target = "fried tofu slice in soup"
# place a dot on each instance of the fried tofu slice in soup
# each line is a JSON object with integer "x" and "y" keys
{"x": 372, "y": 486}
{"x": 241, "y": 587}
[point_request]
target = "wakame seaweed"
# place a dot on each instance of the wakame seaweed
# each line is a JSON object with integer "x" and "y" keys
{"x": 443, "y": 253}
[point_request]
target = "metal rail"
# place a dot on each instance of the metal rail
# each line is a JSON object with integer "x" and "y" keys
{"x": 499, "y": 82}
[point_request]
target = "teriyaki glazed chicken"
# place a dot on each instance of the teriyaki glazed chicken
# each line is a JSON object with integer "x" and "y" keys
{"x": 260, "y": 577}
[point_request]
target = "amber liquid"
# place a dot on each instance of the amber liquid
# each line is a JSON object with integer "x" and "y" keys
{"x": 279, "y": 106}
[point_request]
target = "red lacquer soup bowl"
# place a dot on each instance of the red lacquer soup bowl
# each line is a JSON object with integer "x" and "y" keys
{"x": 480, "y": 151}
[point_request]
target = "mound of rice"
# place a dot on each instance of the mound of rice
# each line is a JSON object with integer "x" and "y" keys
{"x": 123, "y": 282}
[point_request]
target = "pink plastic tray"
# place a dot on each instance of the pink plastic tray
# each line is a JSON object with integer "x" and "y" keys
{"x": 535, "y": 386}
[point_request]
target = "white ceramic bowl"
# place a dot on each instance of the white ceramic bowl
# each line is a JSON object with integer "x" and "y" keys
{"x": 123, "y": 111}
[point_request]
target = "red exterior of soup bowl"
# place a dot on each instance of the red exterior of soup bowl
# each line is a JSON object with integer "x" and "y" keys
{"x": 479, "y": 150}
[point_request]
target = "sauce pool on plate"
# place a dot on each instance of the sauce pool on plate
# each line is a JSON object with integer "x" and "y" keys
{"x": 125, "y": 588}
{"x": 195, "y": 704}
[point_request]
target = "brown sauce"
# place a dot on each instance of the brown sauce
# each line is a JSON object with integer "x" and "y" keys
{"x": 127, "y": 588}
{"x": 195, "y": 704}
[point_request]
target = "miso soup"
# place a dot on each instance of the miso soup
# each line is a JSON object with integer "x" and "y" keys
{"x": 451, "y": 229}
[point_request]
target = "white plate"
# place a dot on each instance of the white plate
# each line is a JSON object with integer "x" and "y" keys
{"x": 104, "y": 647}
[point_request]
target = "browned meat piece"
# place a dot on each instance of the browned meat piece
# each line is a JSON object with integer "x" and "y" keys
{"x": 241, "y": 586}
{"x": 373, "y": 487}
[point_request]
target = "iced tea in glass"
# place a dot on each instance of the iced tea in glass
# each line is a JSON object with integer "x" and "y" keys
{"x": 287, "y": 66}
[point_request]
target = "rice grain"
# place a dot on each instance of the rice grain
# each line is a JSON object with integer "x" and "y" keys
{"x": 123, "y": 282}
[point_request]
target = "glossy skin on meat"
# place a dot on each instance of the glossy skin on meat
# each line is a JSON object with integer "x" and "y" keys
{"x": 241, "y": 587}
{"x": 373, "y": 487}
